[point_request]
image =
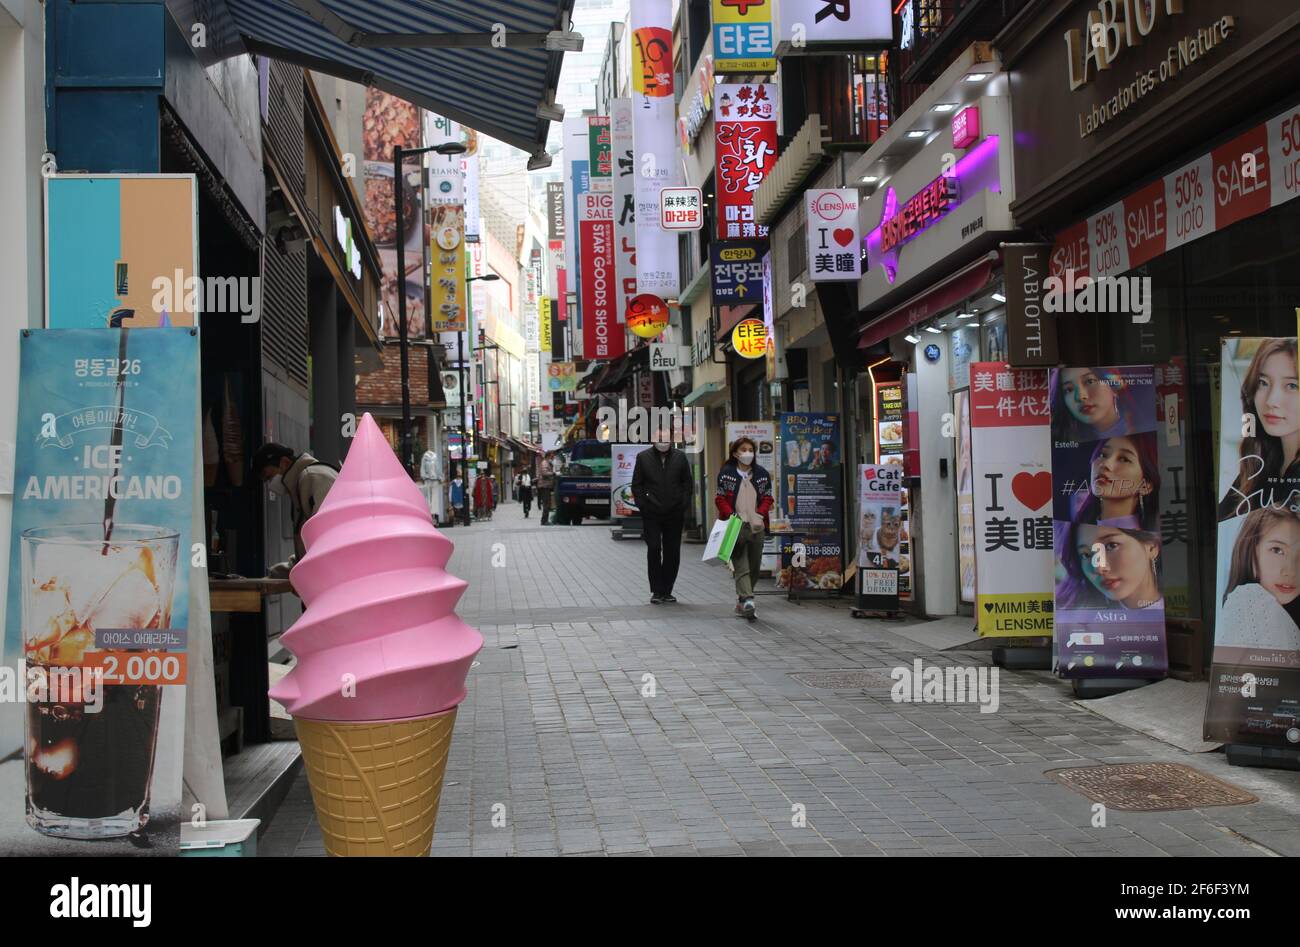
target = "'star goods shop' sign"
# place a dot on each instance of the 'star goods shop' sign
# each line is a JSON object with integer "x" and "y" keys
{"x": 833, "y": 234}
{"x": 736, "y": 270}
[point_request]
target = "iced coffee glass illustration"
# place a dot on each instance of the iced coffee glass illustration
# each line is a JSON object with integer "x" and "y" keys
{"x": 90, "y": 752}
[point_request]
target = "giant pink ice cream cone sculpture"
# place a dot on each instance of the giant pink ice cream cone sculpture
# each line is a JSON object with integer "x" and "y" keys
{"x": 382, "y": 657}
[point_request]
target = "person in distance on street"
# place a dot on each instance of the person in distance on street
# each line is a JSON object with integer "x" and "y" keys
{"x": 661, "y": 487}
{"x": 745, "y": 490}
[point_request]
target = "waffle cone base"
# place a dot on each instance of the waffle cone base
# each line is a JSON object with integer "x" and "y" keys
{"x": 376, "y": 786}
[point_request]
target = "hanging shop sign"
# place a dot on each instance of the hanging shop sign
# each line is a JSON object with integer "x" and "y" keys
{"x": 647, "y": 316}
{"x": 577, "y": 181}
{"x": 1011, "y": 482}
{"x": 966, "y": 127}
{"x": 1254, "y": 693}
{"x": 811, "y": 485}
{"x": 681, "y": 208}
{"x": 1031, "y": 330}
{"x": 122, "y": 250}
{"x": 697, "y": 112}
{"x": 1110, "y": 608}
{"x": 749, "y": 338}
{"x": 880, "y": 535}
{"x": 343, "y": 237}
{"x": 600, "y": 149}
{"x": 834, "y": 240}
{"x": 602, "y": 336}
{"x": 624, "y": 204}
{"x": 1204, "y": 196}
{"x": 665, "y": 356}
{"x": 99, "y": 609}
{"x": 555, "y": 210}
{"x": 736, "y": 272}
{"x": 744, "y": 122}
{"x": 544, "y": 324}
{"x": 744, "y": 37}
{"x": 812, "y": 22}
{"x": 654, "y": 115}
{"x": 562, "y": 376}
{"x": 445, "y": 196}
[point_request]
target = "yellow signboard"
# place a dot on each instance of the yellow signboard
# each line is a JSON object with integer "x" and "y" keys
{"x": 544, "y": 315}
{"x": 749, "y": 338}
{"x": 448, "y": 304}
{"x": 744, "y": 37}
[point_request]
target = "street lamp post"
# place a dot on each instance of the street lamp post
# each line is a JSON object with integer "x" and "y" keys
{"x": 403, "y": 341}
{"x": 464, "y": 387}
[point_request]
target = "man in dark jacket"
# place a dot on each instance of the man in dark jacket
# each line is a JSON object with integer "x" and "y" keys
{"x": 661, "y": 487}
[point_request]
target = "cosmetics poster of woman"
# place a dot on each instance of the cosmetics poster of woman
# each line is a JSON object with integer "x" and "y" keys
{"x": 1110, "y": 610}
{"x": 1255, "y": 678}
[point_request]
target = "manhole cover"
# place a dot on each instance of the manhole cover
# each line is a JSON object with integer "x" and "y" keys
{"x": 844, "y": 680}
{"x": 1151, "y": 787}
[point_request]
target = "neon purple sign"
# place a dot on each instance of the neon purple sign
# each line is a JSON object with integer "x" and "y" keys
{"x": 977, "y": 171}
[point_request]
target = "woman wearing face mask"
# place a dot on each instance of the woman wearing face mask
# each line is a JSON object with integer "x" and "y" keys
{"x": 1260, "y": 603}
{"x": 745, "y": 490}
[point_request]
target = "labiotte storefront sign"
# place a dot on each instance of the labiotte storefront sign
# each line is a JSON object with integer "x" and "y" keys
{"x": 1140, "y": 81}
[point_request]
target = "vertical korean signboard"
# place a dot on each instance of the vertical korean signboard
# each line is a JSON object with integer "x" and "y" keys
{"x": 99, "y": 610}
{"x": 1255, "y": 678}
{"x": 811, "y": 488}
{"x": 744, "y": 36}
{"x": 602, "y": 336}
{"x": 833, "y": 234}
{"x": 744, "y": 118}
{"x": 1011, "y": 482}
{"x": 1110, "y": 606}
{"x": 624, "y": 205}
{"x": 654, "y": 134}
{"x": 446, "y": 197}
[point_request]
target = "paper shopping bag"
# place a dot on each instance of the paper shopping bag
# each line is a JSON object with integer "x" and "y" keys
{"x": 722, "y": 540}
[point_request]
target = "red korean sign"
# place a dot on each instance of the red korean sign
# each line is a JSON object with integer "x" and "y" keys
{"x": 1255, "y": 172}
{"x": 744, "y": 117}
{"x": 602, "y": 336}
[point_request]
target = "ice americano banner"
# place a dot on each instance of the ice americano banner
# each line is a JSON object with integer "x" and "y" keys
{"x": 92, "y": 684}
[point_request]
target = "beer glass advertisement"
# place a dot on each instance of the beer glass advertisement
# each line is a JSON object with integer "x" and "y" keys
{"x": 810, "y": 488}
{"x": 1110, "y": 607}
{"x": 98, "y": 606}
{"x": 1255, "y": 677}
{"x": 1011, "y": 473}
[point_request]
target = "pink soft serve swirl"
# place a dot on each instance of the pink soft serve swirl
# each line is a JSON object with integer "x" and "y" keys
{"x": 380, "y": 603}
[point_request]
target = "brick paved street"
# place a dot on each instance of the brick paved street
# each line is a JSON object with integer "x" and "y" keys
{"x": 557, "y": 731}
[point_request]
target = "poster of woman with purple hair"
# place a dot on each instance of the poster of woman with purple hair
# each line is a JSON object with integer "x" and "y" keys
{"x": 1110, "y": 608}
